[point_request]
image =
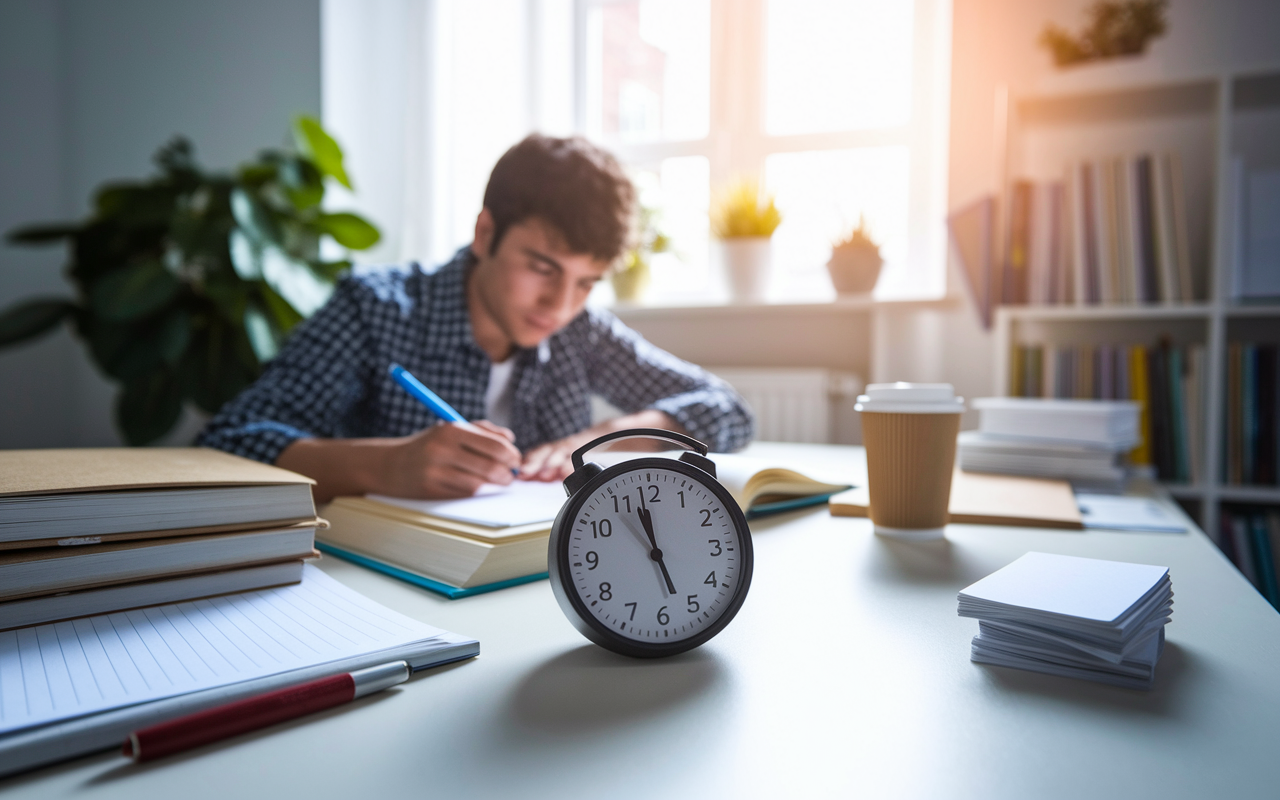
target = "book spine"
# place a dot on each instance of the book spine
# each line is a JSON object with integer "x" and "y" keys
{"x": 1166, "y": 253}
{"x": 1139, "y": 394}
{"x": 1123, "y": 209}
{"x": 1262, "y": 557}
{"x": 1265, "y": 444}
{"x": 1015, "y": 283}
{"x": 1158, "y": 398}
{"x": 1233, "y": 436}
{"x": 1241, "y": 540}
{"x": 1249, "y": 413}
{"x": 1192, "y": 284}
{"x": 1105, "y": 224}
{"x": 1178, "y": 414}
{"x": 1151, "y": 288}
{"x": 1088, "y": 292}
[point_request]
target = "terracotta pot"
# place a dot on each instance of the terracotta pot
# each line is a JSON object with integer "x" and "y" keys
{"x": 854, "y": 271}
{"x": 746, "y": 261}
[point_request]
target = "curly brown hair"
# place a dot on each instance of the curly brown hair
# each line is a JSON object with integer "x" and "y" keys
{"x": 571, "y": 184}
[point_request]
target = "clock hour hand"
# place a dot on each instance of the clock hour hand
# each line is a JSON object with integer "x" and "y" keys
{"x": 656, "y": 554}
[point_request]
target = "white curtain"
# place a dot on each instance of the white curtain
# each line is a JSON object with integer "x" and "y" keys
{"x": 425, "y": 95}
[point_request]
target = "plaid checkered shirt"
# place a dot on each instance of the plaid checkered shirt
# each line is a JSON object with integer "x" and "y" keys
{"x": 331, "y": 378}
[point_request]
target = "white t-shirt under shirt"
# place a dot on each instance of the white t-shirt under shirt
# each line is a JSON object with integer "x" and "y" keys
{"x": 497, "y": 398}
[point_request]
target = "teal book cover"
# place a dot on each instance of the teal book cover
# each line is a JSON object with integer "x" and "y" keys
{"x": 451, "y": 592}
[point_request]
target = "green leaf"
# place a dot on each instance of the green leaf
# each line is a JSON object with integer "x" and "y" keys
{"x": 30, "y": 318}
{"x": 246, "y": 256}
{"x": 294, "y": 281}
{"x": 285, "y": 316}
{"x": 252, "y": 218}
{"x": 349, "y": 230}
{"x": 331, "y": 270}
{"x": 213, "y": 372}
{"x": 133, "y": 291}
{"x": 148, "y": 407}
{"x": 303, "y": 183}
{"x": 173, "y": 335}
{"x": 320, "y": 147}
{"x": 261, "y": 337}
{"x": 43, "y": 234}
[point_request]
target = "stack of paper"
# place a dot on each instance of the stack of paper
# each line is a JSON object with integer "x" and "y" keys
{"x": 1083, "y": 441}
{"x": 1075, "y": 617}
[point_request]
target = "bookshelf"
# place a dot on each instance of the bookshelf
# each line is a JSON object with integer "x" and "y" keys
{"x": 1208, "y": 121}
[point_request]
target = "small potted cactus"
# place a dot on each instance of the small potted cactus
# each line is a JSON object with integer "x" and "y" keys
{"x": 855, "y": 262}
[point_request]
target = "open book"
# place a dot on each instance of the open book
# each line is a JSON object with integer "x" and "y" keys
{"x": 498, "y": 537}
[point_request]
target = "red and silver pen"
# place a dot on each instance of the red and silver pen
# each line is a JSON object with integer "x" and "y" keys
{"x": 252, "y": 713}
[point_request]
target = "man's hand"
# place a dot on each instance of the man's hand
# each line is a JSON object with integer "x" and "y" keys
{"x": 449, "y": 460}
{"x": 446, "y": 460}
{"x": 551, "y": 461}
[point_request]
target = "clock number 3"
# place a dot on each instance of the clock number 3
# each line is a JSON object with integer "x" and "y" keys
{"x": 716, "y": 543}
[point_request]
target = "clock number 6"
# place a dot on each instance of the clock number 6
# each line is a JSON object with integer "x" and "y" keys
{"x": 663, "y": 617}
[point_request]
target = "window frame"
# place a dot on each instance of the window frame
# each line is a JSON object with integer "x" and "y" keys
{"x": 737, "y": 143}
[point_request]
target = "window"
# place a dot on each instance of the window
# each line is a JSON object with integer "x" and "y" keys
{"x": 837, "y": 106}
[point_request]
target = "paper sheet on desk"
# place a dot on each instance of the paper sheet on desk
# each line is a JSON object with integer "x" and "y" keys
{"x": 71, "y": 669}
{"x": 1127, "y": 514}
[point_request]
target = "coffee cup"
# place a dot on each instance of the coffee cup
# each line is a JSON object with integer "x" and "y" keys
{"x": 909, "y": 430}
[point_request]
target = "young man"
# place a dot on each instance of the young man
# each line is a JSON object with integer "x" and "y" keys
{"x": 500, "y": 332}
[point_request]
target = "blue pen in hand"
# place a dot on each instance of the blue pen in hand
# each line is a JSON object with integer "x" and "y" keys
{"x": 419, "y": 391}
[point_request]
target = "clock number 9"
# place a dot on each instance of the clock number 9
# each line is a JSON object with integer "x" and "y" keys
{"x": 592, "y": 559}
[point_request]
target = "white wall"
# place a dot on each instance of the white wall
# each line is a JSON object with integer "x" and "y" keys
{"x": 88, "y": 91}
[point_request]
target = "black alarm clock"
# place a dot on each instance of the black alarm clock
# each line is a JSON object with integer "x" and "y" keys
{"x": 650, "y": 557}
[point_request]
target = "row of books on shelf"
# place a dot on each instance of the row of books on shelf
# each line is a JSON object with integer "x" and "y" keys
{"x": 1250, "y": 537}
{"x": 1167, "y": 381}
{"x": 1113, "y": 231}
{"x": 1253, "y": 414}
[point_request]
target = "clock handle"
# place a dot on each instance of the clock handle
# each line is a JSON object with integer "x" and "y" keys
{"x": 639, "y": 433}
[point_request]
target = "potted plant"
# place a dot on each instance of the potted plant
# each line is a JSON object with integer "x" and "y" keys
{"x": 187, "y": 283}
{"x": 630, "y": 277}
{"x": 855, "y": 261}
{"x": 743, "y": 220}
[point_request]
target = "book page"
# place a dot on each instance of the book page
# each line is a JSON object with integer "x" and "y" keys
{"x": 70, "y": 669}
{"x": 518, "y": 503}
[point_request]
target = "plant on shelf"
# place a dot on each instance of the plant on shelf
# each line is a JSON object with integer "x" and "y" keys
{"x": 855, "y": 261}
{"x": 743, "y": 219}
{"x": 187, "y": 283}
{"x": 630, "y": 277}
{"x": 1115, "y": 28}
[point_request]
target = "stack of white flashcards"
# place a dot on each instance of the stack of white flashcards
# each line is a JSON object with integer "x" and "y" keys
{"x": 1075, "y": 617}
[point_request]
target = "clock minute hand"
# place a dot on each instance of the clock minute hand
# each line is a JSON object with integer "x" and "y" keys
{"x": 656, "y": 554}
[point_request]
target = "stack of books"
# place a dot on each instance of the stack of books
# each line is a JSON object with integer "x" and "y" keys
{"x": 1082, "y": 441}
{"x": 1167, "y": 381}
{"x": 86, "y": 532}
{"x": 1073, "y": 617}
{"x": 499, "y": 537}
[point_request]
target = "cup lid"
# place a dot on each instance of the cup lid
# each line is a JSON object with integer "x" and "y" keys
{"x": 911, "y": 398}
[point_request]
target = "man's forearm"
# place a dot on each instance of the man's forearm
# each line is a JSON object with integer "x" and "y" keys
{"x": 338, "y": 466}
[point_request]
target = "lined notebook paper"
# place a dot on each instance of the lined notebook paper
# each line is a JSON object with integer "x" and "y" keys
{"x": 81, "y": 667}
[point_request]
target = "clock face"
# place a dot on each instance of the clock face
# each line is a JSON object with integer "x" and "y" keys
{"x": 656, "y": 553}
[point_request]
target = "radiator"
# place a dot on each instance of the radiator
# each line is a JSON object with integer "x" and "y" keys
{"x": 792, "y": 404}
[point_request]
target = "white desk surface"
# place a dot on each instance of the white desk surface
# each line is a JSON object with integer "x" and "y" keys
{"x": 846, "y": 674}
